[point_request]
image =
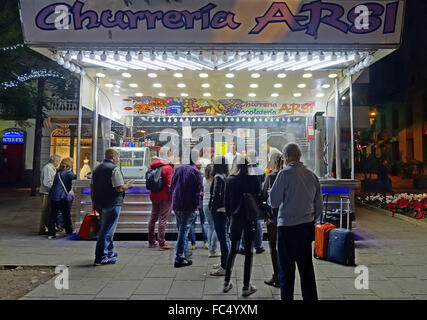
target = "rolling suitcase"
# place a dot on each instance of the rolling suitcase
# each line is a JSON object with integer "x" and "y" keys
{"x": 321, "y": 240}
{"x": 341, "y": 242}
{"x": 322, "y": 234}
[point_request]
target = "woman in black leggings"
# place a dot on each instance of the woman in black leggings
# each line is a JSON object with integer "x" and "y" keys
{"x": 236, "y": 185}
{"x": 277, "y": 165}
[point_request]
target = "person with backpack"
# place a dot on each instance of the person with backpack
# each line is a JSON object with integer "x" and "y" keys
{"x": 219, "y": 213}
{"x": 158, "y": 182}
{"x": 240, "y": 183}
{"x": 276, "y": 162}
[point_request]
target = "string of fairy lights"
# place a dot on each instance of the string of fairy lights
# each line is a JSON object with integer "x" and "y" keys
{"x": 34, "y": 74}
{"x": 13, "y": 47}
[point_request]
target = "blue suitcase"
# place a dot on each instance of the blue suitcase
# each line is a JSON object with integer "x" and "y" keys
{"x": 341, "y": 242}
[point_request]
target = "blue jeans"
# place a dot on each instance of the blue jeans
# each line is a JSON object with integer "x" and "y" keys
{"x": 258, "y": 237}
{"x": 212, "y": 237}
{"x": 221, "y": 228}
{"x": 104, "y": 245}
{"x": 183, "y": 223}
{"x": 202, "y": 224}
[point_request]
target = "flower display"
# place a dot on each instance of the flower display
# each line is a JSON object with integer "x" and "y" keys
{"x": 414, "y": 205}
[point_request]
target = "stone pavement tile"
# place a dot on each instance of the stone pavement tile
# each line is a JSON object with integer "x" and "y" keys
{"x": 166, "y": 259}
{"x": 118, "y": 289}
{"x": 45, "y": 291}
{"x": 148, "y": 297}
{"x": 420, "y": 296}
{"x": 150, "y": 252}
{"x": 223, "y": 297}
{"x": 346, "y": 287}
{"x": 263, "y": 291}
{"x": 132, "y": 273}
{"x": 37, "y": 299}
{"x": 387, "y": 290}
{"x": 257, "y": 272}
{"x": 417, "y": 271}
{"x": 326, "y": 290}
{"x": 361, "y": 297}
{"x": 162, "y": 271}
{"x": 142, "y": 260}
{"x": 77, "y": 297}
{"x": 77, "y": 273}
{"x": 373, "y": 259}
{"x": 188, "y": 289}
{"x": 411, "y": 285}
{"x": 333, "y": 270}
{"x": 214, "y": 287}
{"x": 154, "y": 286}
{"x": 200, "y": 261}
{"x": 192, "y": 273}
{"x": 87, "y": 286}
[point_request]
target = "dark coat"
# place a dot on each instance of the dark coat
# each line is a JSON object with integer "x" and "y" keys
{"x": 235, "y": 187}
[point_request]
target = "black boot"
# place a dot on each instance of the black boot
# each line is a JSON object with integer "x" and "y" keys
{"x": 274, "y": 282}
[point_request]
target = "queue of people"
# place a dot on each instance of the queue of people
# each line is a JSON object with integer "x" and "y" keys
{"x": 292, "y": 193}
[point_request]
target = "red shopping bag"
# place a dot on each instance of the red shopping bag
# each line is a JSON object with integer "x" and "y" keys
{"x": 90, "y": 226}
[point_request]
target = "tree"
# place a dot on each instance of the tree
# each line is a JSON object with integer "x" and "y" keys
{"x": 28, "y": 100}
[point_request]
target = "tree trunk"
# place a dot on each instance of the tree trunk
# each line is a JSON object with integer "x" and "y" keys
{"x": 38, "y": 136}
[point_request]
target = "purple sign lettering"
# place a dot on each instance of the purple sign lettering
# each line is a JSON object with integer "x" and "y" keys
{"x": 309, "y": 19}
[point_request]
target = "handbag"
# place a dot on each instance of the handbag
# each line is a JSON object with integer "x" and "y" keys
{"x": 70, "y": 195}
{"x": 90, "y": 226}
{"x": 254, "y": 209}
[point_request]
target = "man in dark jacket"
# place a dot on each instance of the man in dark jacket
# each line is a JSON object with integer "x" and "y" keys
{"x": 186, "y": 188}
{"x": 161, "y": 201}
{"x": 107, "y": 192}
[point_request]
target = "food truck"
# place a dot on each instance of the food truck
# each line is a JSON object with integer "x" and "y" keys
{"x": 222, "y": 75}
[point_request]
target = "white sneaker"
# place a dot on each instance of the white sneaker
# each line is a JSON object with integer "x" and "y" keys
{"x": 218, "y": 272}
{"x": 214, "y": 255}
{"x": 216, "y": 266}
{"x": 246, "y": 292}
{"x": 227, "y": 287}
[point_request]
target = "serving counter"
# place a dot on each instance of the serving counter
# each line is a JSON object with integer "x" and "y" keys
{"x": 136, "y": 210}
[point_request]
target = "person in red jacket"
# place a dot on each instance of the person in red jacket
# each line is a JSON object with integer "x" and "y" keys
{"x": 161, "y": 202}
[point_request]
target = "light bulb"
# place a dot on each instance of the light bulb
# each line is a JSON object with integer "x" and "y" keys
{"x": 77, "y": 69}
{"x": 92, "y": 55}
{"x": 152, "y": 56}
{"x": 67, "y": 65}
{"x": 237, "y": 56}
{"x": 201, "y": 55}
{"x": 164, "y": 56}
{"x": 80, "y": 56}
{"x": 286, "y": 57}
{"x": 322, "y": 56}
{"x": 297, "y": 57}
{"x": 274, "y": 56}
{"x": 104, "y": 56}
{"x": 262, "y": 56}
{"x": 176, "y": 55}
{"x": 225, "y": 56}
{"x": 249, "y": 56}
{"x": 68, "y": 55}
{"x": 72, "y": 67}
{"x": 128, "y": 57}
{"x": 61, "y": 61}
{"x": 140, "y": 56}
{"x": 116, "y": 56}
{"x": 188, "y": 57}
{"x": 310, "y": 56}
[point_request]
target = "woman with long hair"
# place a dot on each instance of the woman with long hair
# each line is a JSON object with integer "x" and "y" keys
{"x": 212, "y": 237}
{"x": 219, "y": 214}
{"x": 276, "y": 162}
{"x": 239, "y": 183}
{"x": 61, "y": 197}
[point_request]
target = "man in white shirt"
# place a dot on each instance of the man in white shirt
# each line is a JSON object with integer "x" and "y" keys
{"x": 231, "y": 155}
{"x": 46, "y": 181}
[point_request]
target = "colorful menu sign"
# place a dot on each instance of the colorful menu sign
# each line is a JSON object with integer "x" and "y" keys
{"x": 209, "y": 107}
{"x": 12, "y": 137}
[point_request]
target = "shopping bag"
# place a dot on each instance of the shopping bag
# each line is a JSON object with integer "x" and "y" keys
{"x": 90, "y": 226}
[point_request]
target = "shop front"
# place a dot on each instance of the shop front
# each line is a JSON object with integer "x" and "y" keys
{"x": 222, "y": 77}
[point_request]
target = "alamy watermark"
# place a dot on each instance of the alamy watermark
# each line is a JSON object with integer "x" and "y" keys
{"x": 62, "y": 281}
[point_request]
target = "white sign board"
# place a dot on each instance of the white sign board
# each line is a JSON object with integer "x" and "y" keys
{"x": 232, "y": 23}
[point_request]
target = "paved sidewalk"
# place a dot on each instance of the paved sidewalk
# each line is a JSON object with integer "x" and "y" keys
{"x": 394, "y": 250}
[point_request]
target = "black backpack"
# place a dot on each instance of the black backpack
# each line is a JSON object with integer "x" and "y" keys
{"x": 154, "y": 180}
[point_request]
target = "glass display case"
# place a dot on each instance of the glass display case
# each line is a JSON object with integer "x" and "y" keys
{"x": 134, "y": 161}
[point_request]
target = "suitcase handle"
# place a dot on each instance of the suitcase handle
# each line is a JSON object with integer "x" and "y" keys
{"x": 342, "y": 212}
{"x": 324, "y": 212}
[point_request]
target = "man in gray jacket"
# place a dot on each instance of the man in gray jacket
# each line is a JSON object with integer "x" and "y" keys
{"x": 296, "y": 192}
{"x": 46, "y": 181}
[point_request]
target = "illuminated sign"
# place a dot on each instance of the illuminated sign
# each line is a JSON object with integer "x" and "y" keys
{"x": 12, "y": 137}
{"x": 308, "y": 22}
